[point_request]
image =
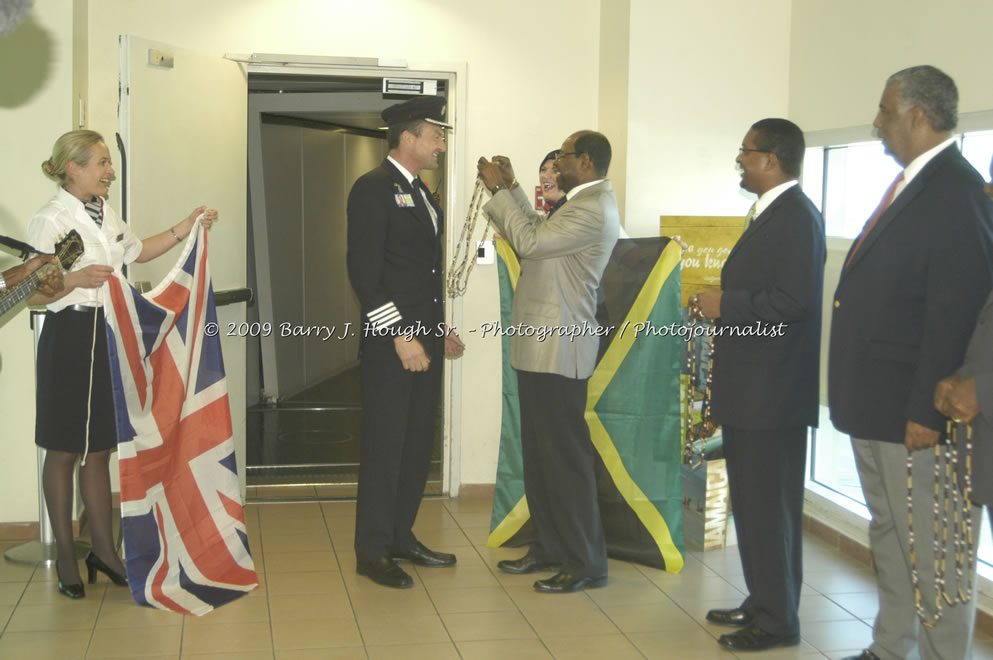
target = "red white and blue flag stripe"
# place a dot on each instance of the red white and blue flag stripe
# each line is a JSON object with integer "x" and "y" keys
{"x": 185, "y": 541}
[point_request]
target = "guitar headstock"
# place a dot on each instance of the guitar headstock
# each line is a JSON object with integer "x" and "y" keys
{"x": 69, "y": 249}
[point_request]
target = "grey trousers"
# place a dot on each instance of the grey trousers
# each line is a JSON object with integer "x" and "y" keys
{"x": 898, "y": 633}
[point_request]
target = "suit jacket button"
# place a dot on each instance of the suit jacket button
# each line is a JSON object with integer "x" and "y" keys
{"x": 837, "y": 303}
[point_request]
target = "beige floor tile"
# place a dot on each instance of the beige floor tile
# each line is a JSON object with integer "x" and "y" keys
{"x": 434, "y": 518}
{"x": 841, "y": 655}
{"x": 317, "y": 541}
{"x": 379, "y": 630}
{"x": 299, "y": 607}
{"x": 616, "y": 593}
{"x": 832, "y": 582}
{"x": 338, "y": 509}
{"x": 530, "y": 601}
{"x": 131, "y": 642}
{"x": 387, "y": 602}
{"x": 444, "y": 651}
{"x": 241, "y": 655}
{"x": 342, "y": 653}
{"x": 274, "y": 510}
{"x": 126, "y": 614}
{"x": 698, "y": 588}
{"x": 296, "y": 562}
{"x": 615, "y": 647}
{"x": 476, "y": 626}
{"x": 70, "y": 615}
{"x": 5, "y": 612}
{"x": 46, "y": 593}
{"x": 472, "y": 518}
{"x": 555, "y": 623}
{"x": 445, "y": 536}
{"x": 802, "y": 651}
{"x": 861, "y": 605}
{"x": 690, "y": 643}
{"x": 340, "y": 527}
{"x": 252, "y": 607}
{"x": 280, "y": 526}
{"x": 14, "y": 572}
{"x": 226, "y": 638}
{"x": 471, "y": 599}
{"x": 315, "y": 634}
{"x": 453, "y": 576}
{"x": 821, "y": 608}
{"x": 518, "y": 649}
{"x": 469, "y": 504}
{"x": 54, "y": 645}
{"x": 312, "y": 582}
{"x": 835, "y": 635}
{"x": 11, "y": 592}
{"x": 648, "y": 617}
{"x": 478, "y": 536}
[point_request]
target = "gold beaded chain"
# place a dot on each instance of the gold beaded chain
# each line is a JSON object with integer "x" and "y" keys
{"x": 464, "y": 257}
{"x": 963, "y": 542}
{"x": 705, "y": 427}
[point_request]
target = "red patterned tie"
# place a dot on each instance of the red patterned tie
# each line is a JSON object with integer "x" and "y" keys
{"x": 883, "y": 205}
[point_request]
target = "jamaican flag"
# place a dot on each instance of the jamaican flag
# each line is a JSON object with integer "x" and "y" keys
{"x": 632, "y": 408}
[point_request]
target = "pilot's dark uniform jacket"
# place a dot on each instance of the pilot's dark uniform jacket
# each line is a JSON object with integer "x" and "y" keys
{"x": 394, "y": 262}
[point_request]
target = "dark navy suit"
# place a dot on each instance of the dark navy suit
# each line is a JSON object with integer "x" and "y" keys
{"x": 764, "y": 393}
{"x": 903, "y": 311}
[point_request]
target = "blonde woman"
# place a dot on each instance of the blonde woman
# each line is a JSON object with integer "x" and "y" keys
{"x": 75, "y": 408}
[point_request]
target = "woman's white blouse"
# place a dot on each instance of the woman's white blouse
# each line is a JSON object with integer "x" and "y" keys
{"x": 112, "y": 244}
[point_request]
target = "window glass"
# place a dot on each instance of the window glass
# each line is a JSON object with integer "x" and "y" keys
{"x": 857, "y": 178}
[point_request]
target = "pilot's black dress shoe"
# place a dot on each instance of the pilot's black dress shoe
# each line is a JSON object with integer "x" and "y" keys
{"x": 732, "y": 617}
{"x": 526, "y": 564}
{"x": 753, "y": 638}
{"x": 421, "y": 556}
{"x": 864, "y": 655}
{"x": 564, "y": 583}
{"x": 385, "y": 571}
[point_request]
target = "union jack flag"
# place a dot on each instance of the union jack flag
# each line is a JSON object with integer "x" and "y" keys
{"x": 186, "y": 547}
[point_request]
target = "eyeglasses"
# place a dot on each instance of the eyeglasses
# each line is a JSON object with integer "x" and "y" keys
{"x": 562, "y": 154}
{"x": 742, "y": 151}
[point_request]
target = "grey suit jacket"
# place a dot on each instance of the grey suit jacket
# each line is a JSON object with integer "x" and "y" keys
{"x": 979, "y": 363}
{"x": 562, "y": 261}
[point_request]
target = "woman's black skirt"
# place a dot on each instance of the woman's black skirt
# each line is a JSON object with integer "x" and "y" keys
{"x": 64, "y": 383}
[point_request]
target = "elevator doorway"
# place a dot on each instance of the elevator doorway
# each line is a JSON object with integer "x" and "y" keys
{"x": 309, "y": 138}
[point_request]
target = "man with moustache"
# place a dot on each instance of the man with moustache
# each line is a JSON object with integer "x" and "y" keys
{"x": 394, "y": 263}
{"x": 562, "y": 260}
{"x": 764, "y": 390}
{"x": 907, "y": 300}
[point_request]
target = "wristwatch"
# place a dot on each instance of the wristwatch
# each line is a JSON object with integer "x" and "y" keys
{"x": 497, "y": 188}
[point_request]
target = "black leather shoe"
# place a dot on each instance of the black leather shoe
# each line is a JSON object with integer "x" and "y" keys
{"x": 564, "y": 583}
{"x": 94, "y": 564}
{"x": 732, "y": 617}
{"x": 424, "y": 557}
{"x": 864, "y": 655}
{"x": 526, "y": 564}
{"x": 753, "y": 638}
{"x": 385, "y": 571}
{"x": 73, "y": 591}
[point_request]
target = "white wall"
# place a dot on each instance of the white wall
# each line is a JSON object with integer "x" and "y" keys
{"x": 843, "y": 51}
{"x": 700, "y": 74}
{"x": 35, "y": 107}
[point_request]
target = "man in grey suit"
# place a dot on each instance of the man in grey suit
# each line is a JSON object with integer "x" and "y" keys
{"x": 562, "y": 261}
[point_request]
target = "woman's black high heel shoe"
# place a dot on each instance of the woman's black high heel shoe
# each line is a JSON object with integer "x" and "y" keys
{"x": 73, "y": 591}
{"x": 94, "y": 564}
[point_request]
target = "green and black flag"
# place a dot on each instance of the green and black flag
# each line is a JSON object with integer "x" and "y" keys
{"x": 632, "y": 408}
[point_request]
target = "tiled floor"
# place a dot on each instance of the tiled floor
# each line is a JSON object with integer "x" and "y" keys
{"x": 311, "y": 604}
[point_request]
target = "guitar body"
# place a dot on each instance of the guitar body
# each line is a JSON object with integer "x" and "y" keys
{"x": 67, "y": 251}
